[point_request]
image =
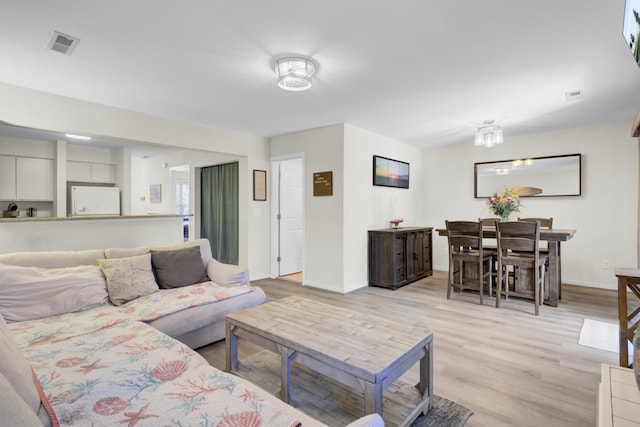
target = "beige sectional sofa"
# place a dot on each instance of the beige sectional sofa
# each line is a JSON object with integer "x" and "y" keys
{"x": 88, "y": 338}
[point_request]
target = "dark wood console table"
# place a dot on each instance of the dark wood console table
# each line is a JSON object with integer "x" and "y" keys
{"x": 399, "y": 256}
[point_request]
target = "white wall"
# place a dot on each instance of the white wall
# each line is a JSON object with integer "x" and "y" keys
{"x": 605, "y": 216}
{"x": 323, "y": 151}
{"x": 89, "y": 233}
{"x": 336, "y": 226}
{"x": 40, "y": 110}
{"x": 369, "y": 207}
{"x": 253, "y": 216}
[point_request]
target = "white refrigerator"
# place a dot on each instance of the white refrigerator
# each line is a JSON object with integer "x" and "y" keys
{"x": 86, "y": 200}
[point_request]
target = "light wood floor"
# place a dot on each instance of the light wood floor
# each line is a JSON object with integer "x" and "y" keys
{"x": 508, "y": 366}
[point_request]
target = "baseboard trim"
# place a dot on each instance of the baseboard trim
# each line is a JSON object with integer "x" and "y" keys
{"x": 607, "y": 286}
{"x": 324, "y": 286}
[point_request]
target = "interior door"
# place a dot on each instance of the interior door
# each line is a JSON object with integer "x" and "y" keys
{"x": 291, "y": 236}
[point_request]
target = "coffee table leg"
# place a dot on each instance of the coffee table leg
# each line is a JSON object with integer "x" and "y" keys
{"x": 426, "y": 376}
{"x": 372, "y": 398}
{"x": 286, "y": 355}
{"x": 231, "y": 349}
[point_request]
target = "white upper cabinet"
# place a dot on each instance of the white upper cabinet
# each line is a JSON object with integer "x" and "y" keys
{"x": 35, "y": 179}
{"x": 7, "y": 178}
{"x": 91, "y": 172}
{"x": 26, "y": 178}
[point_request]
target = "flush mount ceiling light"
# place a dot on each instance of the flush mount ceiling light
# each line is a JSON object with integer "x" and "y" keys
{"x": 294, "y": 73}
{"x": 489, "y": 134}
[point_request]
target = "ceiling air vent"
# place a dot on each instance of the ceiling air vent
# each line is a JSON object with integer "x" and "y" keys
{"x": 62, "y": 43}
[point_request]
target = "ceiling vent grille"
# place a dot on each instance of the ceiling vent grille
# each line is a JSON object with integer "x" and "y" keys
{"x": 62, "y": 43}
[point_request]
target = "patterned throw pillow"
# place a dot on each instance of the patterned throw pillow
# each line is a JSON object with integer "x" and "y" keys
{"x": 128, "y": 278}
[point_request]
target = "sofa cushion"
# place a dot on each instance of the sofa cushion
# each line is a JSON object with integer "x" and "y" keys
{"x": 51, "y": 291}
{"x": 53, "y": 259}
{"x": 177, "y": 268}
{"x": 227, "y": 274}
{"x": 17, "y": 371}
{"x": 203, "y": 244}
{"x": 128, "y": 278}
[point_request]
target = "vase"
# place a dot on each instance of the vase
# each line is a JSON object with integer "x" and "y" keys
{"x": 504, "y": 218}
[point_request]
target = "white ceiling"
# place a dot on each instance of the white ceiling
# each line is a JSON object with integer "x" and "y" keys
{"x": 425, "y": 72}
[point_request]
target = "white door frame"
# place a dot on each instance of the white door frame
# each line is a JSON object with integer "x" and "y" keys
{"x": 275, "y": 201}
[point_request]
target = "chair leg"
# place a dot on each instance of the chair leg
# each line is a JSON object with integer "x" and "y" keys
{"x": 481, "y": 280}
{"x": 451, "y": 275}
{"x": 536, "y": 290}
{"x": 498, "y": 284}
{"x": 490, "y": 276}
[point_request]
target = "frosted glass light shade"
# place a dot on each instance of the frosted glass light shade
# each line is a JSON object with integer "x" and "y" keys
{"x": 294, "y": 73}
{"x": 489, "y": 134}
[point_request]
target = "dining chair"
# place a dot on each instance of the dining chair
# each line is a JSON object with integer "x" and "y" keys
{"x": 467, "y": 259}
{"x": 545, "y": 223}
{"x": 491, "y": 249}
{"x": 519, "y": 257}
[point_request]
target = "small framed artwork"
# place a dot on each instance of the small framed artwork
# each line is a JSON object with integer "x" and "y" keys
{"x": 390, "y": 173}
{"x": 323, "y": 183}
{"x": 259, "y": 185}
{"x": 155, "y": 193}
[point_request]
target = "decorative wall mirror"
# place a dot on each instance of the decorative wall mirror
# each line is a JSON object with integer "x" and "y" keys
{"x": 530, "y": 177}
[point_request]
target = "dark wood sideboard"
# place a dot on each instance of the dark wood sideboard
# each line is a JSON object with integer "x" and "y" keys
{"x": 399, "y": 256}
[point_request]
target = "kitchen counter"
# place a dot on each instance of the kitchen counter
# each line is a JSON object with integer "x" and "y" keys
{"x": 86, "y": 218}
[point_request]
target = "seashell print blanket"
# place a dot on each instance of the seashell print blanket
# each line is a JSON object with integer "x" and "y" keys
{"x": 104, "y": 367}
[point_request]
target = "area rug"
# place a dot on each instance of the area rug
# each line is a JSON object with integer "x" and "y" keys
{"x": 444, "y": 413}
{"x": 601, "y": 335}
{"x": 335, "y": 404}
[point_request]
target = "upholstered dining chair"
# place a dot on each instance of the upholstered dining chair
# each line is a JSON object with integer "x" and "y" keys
{"x": 467, "y": 259}
{"x": 519, "y": 257}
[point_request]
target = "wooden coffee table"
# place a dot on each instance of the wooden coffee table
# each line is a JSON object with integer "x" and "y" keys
{"x": 361, "y": 351}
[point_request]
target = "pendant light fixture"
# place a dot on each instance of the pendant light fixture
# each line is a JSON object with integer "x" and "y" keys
{"x": 489, "y": 134}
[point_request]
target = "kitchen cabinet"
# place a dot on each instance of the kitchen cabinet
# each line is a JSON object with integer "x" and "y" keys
{"x": 26, "y": 178}
{"x": 7, "y": 178}
{"x": 34, "y": 179}
{"x": 91, "y": 172}
{"x": 399, "y": 256}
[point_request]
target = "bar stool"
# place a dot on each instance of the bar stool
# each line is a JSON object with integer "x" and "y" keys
{"x": 518, "y": 248}
{"x": 466, "y": 249}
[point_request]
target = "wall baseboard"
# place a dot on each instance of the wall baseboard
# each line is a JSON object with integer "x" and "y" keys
{"x": 607, "y": 286}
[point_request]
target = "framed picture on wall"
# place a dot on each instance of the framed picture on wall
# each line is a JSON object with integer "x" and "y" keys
{"x": 155, "y": 193}
{"x": 390, "y": 173}
{"x": 259, "y": 185}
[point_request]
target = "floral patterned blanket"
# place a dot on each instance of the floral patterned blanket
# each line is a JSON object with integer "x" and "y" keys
{"x": 103, "y": 367}
{"x": 167, "y": 301}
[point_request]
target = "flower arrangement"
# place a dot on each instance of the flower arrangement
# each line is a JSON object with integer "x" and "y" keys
{"x": 503, "y": 204}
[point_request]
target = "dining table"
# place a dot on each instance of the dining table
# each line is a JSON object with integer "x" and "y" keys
{"x": 553, "y": 237}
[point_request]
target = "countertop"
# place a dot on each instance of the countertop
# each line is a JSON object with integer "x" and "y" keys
{"x": 87, "y": 218}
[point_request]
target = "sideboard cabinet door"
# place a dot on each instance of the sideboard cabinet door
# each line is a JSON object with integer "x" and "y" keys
{"x": 399, "y": 256}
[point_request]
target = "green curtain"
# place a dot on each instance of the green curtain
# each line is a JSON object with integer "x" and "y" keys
{"x": 219, "y": 210}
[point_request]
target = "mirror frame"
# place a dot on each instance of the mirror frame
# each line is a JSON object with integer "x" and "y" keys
{"x": 478, "y": 164}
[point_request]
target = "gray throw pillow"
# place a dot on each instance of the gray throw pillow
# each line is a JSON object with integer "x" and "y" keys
{"x": 177, "y": 268}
